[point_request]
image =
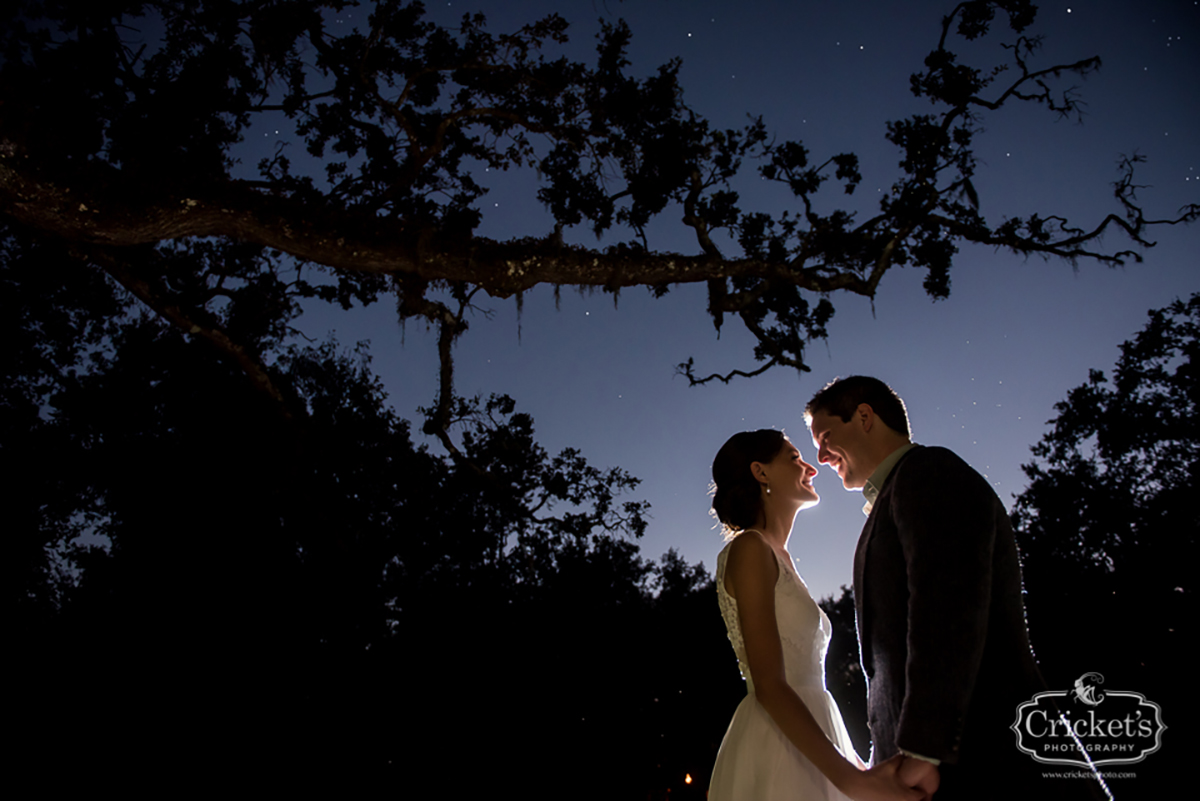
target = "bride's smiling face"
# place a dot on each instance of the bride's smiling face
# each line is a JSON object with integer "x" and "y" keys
{"x": 788, "y": 473}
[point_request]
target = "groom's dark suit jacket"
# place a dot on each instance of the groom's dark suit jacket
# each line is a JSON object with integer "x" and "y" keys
{"x": 941, "y": 625}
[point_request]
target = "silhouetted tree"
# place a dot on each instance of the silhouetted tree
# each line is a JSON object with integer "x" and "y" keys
{"x": 122, "y": 122}
{"x": 194, "y": 575}
{"x": 55, "y": 316}
{"x": 1108, "y": 524}
{"x": 165, "y": 523}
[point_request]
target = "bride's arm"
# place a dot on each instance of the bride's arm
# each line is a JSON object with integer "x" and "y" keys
{"x": 751, "y": 573}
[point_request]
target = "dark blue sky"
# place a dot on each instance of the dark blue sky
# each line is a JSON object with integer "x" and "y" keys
{"x": 980, "y": 372}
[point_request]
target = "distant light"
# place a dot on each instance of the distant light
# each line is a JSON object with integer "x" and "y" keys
{"x": 687, "y": 779}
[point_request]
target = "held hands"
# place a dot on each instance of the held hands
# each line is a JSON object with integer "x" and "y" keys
{"x": 898, "y": 779}
{"x": 920, "y": 775}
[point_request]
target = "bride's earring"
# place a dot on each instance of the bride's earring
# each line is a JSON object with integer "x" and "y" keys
{"x": 768, "y": 489}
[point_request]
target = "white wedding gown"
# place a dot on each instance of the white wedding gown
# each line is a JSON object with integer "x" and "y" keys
{"x": 757, "y": 762}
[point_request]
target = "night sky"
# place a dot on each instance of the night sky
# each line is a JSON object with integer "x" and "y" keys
{"x": 980, "y": 372}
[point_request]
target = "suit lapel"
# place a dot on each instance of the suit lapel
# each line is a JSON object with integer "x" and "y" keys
{"x": 861, "y": 555}
{"x": 860, "y": 561}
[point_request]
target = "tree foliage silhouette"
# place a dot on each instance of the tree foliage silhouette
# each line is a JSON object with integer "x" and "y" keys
{"x": 180, "y": 557}
{"x": 1108, "y": 523}
{"x": 101, "y": 101}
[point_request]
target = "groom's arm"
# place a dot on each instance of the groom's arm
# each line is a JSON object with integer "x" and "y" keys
{"x": 944, "y": 520}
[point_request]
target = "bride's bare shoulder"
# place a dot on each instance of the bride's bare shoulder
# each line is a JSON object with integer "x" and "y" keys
{"x": 750, "y": 561}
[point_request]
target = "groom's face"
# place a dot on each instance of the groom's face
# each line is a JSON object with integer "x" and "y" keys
{"x": 842, "y": 446}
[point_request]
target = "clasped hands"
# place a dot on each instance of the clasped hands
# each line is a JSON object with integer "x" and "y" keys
{"x": 920, "y": 775}
{"x": 900, "y": 778}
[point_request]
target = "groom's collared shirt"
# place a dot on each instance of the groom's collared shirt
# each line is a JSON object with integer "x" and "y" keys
{"x": 875, "y": 482}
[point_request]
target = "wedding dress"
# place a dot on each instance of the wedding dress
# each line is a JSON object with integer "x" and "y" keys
{"x": 757, "y": 762}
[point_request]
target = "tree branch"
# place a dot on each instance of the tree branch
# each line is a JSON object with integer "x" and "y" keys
{"x": 686, "y": 369}
{"x": 118, "y": 267}
{"x": 355, "y": 243}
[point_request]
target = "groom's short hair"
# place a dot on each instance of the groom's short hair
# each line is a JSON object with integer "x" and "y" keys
{"x": 842, "y": 396}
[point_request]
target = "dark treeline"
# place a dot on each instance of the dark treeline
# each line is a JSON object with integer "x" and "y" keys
{"x": 203, "y": 588}
{"x": 1107, "y": 528}
{"x": 1108, "y": 522}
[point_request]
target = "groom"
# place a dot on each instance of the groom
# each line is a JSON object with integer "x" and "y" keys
{"x": 937, "y": 594}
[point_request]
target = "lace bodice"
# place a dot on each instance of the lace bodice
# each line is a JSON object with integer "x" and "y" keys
{"x": 804, "y": 630}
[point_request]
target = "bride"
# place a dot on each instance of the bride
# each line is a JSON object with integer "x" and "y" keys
{"x": 787, "y": 739}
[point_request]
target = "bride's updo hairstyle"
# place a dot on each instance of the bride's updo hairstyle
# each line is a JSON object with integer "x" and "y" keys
{"x": 737, "y": 495}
